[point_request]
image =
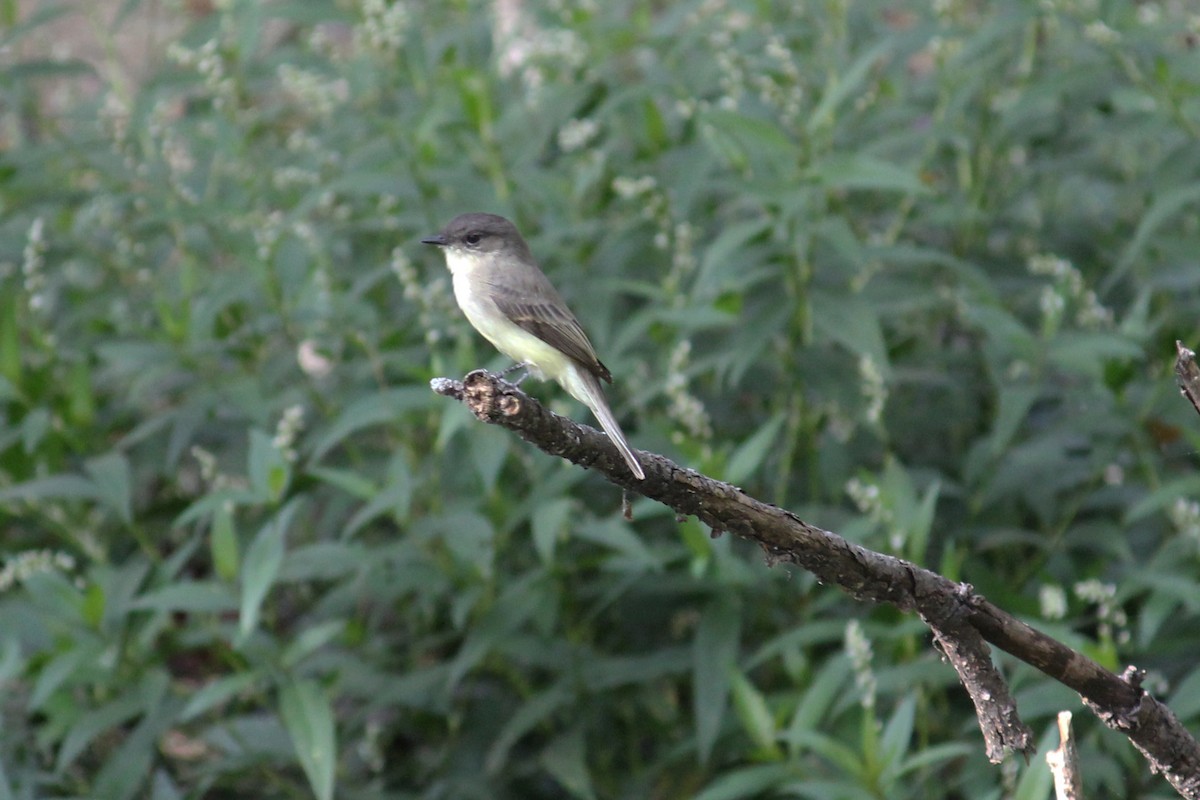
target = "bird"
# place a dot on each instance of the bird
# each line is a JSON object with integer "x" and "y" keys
{"x": 505, "y": 296}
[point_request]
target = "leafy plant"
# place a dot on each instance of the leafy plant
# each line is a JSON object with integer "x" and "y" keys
{"x": 915, "y": 272}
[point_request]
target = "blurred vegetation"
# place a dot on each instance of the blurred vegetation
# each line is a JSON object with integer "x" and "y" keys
{"x": 912, "y": 270}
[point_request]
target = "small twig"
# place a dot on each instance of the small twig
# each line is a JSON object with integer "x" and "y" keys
{"x": 1064, "y": 762}
{"x": 1187, "y": 373}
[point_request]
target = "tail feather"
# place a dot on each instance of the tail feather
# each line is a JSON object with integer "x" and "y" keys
{"x": 584, "y": 387}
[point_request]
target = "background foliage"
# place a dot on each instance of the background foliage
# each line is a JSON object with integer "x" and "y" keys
{"x": 914, "y": 272}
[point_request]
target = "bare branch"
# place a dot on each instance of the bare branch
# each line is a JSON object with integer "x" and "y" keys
{"x": 962, "y": 621}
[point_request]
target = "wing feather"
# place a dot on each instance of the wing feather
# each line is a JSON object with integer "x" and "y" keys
{"x": 536, "y": 306}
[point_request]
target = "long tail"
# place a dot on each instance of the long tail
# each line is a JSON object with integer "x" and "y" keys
{"x": 584, "y": 387}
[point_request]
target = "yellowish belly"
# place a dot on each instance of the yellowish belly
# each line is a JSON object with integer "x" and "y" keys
{"x": 506, "y": 336}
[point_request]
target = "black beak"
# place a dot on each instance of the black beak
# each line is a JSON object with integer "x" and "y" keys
{"x": 438, "y": 240}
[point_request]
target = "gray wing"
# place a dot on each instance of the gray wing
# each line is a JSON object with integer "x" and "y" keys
{"x": 535, "y": 305}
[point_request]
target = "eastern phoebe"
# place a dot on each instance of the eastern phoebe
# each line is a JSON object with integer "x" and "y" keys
{"x": 507, "y": 298}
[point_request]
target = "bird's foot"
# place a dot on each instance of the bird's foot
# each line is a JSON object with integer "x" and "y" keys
{"x": 525, "y": 365}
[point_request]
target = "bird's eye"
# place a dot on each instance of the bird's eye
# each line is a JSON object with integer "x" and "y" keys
{"x": 474, "y": 238}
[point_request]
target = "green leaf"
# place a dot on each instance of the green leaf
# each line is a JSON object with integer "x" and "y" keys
{"x": 327, "y": 561}
{"x": 532, "y": 713}
{"x": 853, "y": 323}
{"x": 81, "y": 395}
{"x": 58, "y": 670}
{"x": 212, "y": 502}
{"x": 95, "y": 722}
{"x": 12, "y": 661}
{"x": 714, "y": 658}
{"x": 308, "y": 718}
{"x": 864, "y": 172}
{"x": 893, "y": 743}
{"x": 34, "y": 428}
{"x": 619, "y": 536}
{"x": 1167, "y": 582}
{"x": 311, "y": 640}
{"x": 223, "y": 543}
{"x": 565, "y": 758}
{"x": 345, "y": 480}
{"x": 1166, "y": 205}
{"x": 470, "y": 537}
{"x": 268, "y": 469}
{"x": 523, "y": 599}
{"x": 1086, "y": 353}
{"x": 819, "y": 696}
{"x": 920, "y": 525}
{"x": 261, "y": 566}
{"x": 10, "y": 339}
{"x": 6, "y": 791}
{"x": 476, "y": 99}
{"x": 374, "y": 409}
{"x": 393, "y": 498}
{"x": 548, "y": 524}
{"x": 843, "y": 83}
{"x": 601, "y": 674}
{"x": 1004, "y": 330}
{"x": 756, "y": 718}
{"x": 845, "y": 758}
{"x": 193, "y": 597}
{"x": 745, "y": 136}
{"x": 1185, "y": 696}
{"x": 1014, "y": 405}
{"x": 34, "y": 19}
{"x": 746, "y": 782}
{"x": 110, "y": 475}
{"x": 1037, "y": 783}
{"x": 723, "y": 265}
{"x": 489, "y": 448}
{"x": 58, "y": 487}
{"x": 126, "y": 768}
{"x": 930, "y": 756}
{"x": 48, "y": 68}
{"x": 216, "y": 693}
{"x": 94, "y": 603}
{"x": 699, "y": 543}
{"x": 754, "y": 451}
